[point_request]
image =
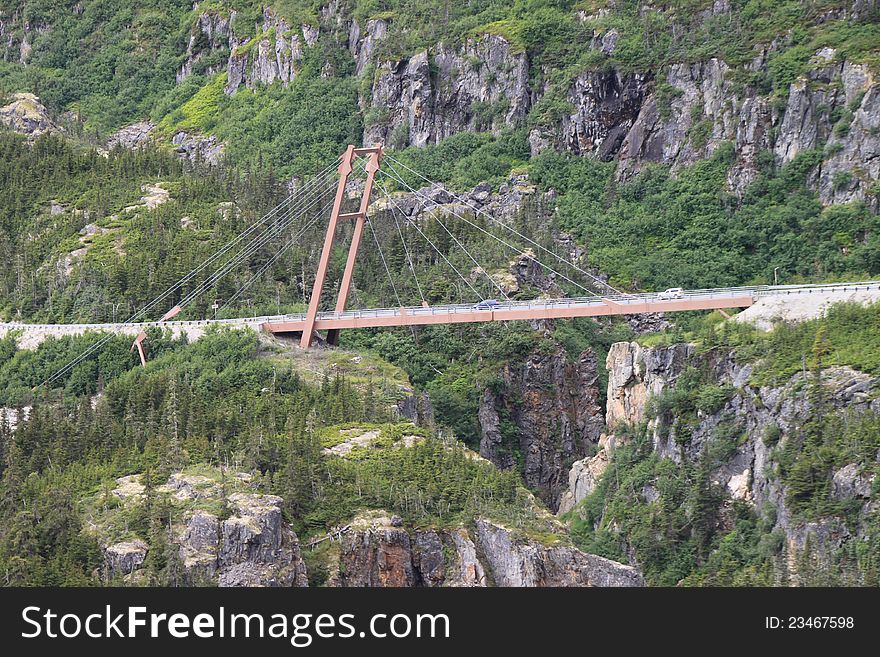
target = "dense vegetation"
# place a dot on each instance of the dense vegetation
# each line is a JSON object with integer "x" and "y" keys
{"x": 91, "y": 259}
{"x": 674, "y": 535}
{"x": 687, "y": 534}
{"x": 847, "y": 335}
{"x": 113, "y": 62}
{"x": 100, "y": 255}
{"x": 80, "y": 246}
{"x": 663, "y": 230}
{"x": 689, "y": 531}
{"x": 217, "y": 402}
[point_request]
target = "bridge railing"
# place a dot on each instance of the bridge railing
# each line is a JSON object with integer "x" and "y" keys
{"x": 622, "y": 299}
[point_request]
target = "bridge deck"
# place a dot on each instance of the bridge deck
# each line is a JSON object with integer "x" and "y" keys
{"x": 33, "y": 334}
{"x": 532, "y": 310}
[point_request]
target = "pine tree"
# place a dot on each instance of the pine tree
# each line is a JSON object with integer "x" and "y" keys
{"x": 705, "y": 506}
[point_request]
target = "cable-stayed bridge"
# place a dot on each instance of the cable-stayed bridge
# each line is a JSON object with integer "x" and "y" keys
{"x": 342, "y": 193}
{"x": 720, "y": 298}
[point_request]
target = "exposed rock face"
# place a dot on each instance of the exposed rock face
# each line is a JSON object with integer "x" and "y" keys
{"x": 380, "y": 556}
{"x": 649, "y": 323}
{"x": 380, "y": 553}
{"x": 676, "y": 119}
{"x": 192, "y": 147}
{"x": 252, "y": 547}
{"x": 698, "y": 108}
{"x": 512, "y": 198}
{"x": 190, "y": 487}
{"x": 273, "y": 56}
{"x": 606, "y": 105}
{"x": 515, "y": 563}
{"x": 256, "y": 547}
{"x": 689, "y": 115}
{"x": 584, "y": 475}
{"x": 198, "y": 148}
{"x": 849, "y": 482}
{"x": 675, "y": 115}
{"x": 364, "y": 49}
{"x": 482, "y": 85}
{"x": 526, "y": 270}
{"x": 542, "y": 413}
{"x": 12, "y": 417}
{"x": 199, "y": 542}
{"x": 357, "y": 438}
{"x": 125, "y": 557}
{"x": 748, "y": 471}
{"x": 134, "y": 136}
{"x": 27, "y": 115}
{"x": 209, "y": 44}
{"x": 636, "y": 373}
{"x": 128, "y": 487}
{"x": 854, "y": 164}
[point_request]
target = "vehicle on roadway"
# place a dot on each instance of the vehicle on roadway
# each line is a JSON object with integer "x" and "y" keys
{"x": 487, "y": 304}
{"x": 671, "y": 293}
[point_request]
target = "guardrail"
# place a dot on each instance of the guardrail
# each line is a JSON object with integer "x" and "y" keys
{"x": 451, "y": 309}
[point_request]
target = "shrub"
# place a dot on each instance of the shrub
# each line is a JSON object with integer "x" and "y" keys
{"x": 711, "y": 398}
{"x": 772, "y": 434}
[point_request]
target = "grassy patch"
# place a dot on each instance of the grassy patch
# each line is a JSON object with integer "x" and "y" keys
{"x": 201, "y": 112}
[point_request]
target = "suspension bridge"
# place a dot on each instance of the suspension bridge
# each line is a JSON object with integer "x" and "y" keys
{"x": 341, "y": 193}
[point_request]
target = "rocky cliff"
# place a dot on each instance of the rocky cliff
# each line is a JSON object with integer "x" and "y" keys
{"x": 636, "y": 114}
{"x": 676, "y": 115}
{"x": 271, "y": 55}
{"x": 673, "y": 109}
{"x": 27, "y": 115}
{"x": 539, "y": 415}
{"x": 518, "y": 563}
{"x": 381, "y": 552}
{"x": 204, "y": 526}
{"x": 247, "y": 543}
{"x": 750, "y": 432}
{"x": 698, "y": 107}
{"x": 482, "y": 85}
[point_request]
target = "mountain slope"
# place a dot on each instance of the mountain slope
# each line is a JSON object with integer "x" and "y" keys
{"x": 691, "y": 143}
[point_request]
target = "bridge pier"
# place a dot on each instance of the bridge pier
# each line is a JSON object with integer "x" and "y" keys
{"x": 374, "y": 155}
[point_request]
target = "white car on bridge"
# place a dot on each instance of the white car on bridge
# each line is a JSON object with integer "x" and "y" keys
{"x": 671, "y": 293}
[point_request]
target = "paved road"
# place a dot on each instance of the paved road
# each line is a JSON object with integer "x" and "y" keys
{"x": 31, "y": 335}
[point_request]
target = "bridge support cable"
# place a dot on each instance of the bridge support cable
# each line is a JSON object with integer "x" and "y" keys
{"x": 257, "y": 243}
{"x": 275, "y": 257}
{"x": 273, "y": 231}
{"x": 492, "y": 281}
{"x": 264, "y": 238}
{"x": 138, "y": 344}
{"x": 362, "y": 169}
{"x": 412, "y": 329}
{"x": 281, "y": 208}
{"x": 397, "y": 178}
{"x": 428, "y": 240}
{"x": 285, "y": 221}
{"x": 284, "y": 210}
{"x": 482, "y": 212}
{"x": 385, "y": 264}
{"x": 409, "y": 259}
{"x": 263, "y": 269}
